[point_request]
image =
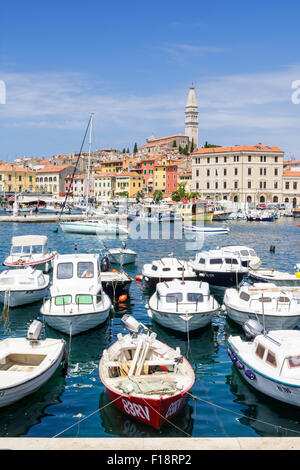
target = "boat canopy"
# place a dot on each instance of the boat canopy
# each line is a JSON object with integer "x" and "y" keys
{"x": 177, "y": 285}
{"x": 29, "y": 240}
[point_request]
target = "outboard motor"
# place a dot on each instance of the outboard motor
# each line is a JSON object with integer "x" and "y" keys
{"x": 252, "y": 328}
{"x": 105, "y": 264}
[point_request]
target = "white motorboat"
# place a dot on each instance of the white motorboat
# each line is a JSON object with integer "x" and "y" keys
{"x": 280, "y": 278}
{"x": 205, "y": 229}
{"x": 277, "y": 307}
{"x": 28, "y": 363}
{"x": 77, "y": 300}
{"x": 30, "y": 250}
{"x": 269, "y": 362}
{"x": 121, "y": 255}
{"x": 145, "y": 378}
{"x": 94, "y": 227}
{"x": 23, "y": 286}
{"x": 166, "y": 269}
{"x": 219, "y": 267}
{"x": 182, "y": 305}
{"x": 247, "y": 255}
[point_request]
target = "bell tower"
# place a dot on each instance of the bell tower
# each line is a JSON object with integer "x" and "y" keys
{"x": 191, "y": 117}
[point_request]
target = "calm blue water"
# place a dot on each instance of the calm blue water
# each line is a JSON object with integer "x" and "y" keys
{"x": 77, "y": 406}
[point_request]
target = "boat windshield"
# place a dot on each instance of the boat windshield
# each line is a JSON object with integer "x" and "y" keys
{"x": 176, "y": 297}
{"x": 64, "y": 270}
{"x": 85, "y": 269}
{"x": 63, "y": 300}
{"x": 293, "y": 361}
{"x": 37, "y": 249}
{"x": 83, "y": 299}
{"x": 193, "y": 297}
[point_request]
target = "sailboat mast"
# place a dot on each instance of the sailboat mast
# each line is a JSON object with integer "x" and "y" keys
{"x": 89, "y": 162}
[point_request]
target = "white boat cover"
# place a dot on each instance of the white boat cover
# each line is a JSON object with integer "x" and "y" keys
{"x": 29, "y": 240}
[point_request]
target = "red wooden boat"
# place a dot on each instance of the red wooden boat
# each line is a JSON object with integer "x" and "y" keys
{"x": 145, "y": 378}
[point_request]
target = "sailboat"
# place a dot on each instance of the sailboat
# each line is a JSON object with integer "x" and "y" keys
{"x": 91, "y": 226}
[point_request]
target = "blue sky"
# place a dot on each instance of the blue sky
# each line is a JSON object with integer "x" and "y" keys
{"x": 131, "y": 63}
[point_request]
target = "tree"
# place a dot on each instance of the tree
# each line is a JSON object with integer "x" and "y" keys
{"x": 192, "y": 146}
{"x": 180, "y": 192}
{"x": 123, "y": 194}
{"x": 140, "y": 194}
{"x": 135, "y": 148}
{"x": 174, "y": 143}
{"x": 157, "y": 195}
{"x": 124, "y": 151}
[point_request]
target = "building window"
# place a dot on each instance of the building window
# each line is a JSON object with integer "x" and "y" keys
{"x": 225, "y": 159}
{"x": 294, "y": 185}
{"x": 275, "y": 171}
{"x": 235, "y": 171}
{"x": 225, "y": 171}
{"x": 208, "y": 172}
{"x": 249, "y": 158}
{"x": 224, "y": 185}
{"x": 236, "y": 185}
{"x": 249, "y": 184}
{"x": 287, "y": 185}
{"x": 276, "y": 159}
{"x": 249, "y": 171}
{"x": 207, "y": 185}
{"x": 275, "y": 184}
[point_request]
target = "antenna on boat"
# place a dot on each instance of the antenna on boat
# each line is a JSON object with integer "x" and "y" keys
{"x": 55, "y": 229}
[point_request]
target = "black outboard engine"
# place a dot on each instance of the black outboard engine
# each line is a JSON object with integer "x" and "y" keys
{"x": 105, "y": 264}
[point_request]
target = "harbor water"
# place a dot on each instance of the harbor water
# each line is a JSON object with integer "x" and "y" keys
{"x": 221, "y": 404}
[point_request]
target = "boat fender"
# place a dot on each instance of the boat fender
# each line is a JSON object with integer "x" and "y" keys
{"x": 250, "y": 374}
{"x": 240, "y": 365}
{"x": 223, "y": 307}
{"x": 231, "y": 355}
{"x": 113, "y": 271}
{"x": 105, "y": 264}
{"x": 272, "y": 248}
{"x": 123, "y": 298}
{"x": 139, "y": 277}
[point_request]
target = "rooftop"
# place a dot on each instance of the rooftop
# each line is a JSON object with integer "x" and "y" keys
{"x": 239, "y": 148}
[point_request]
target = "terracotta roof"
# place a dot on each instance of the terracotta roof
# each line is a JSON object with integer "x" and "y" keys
{"x": 11, "y": 167}
{"x": 52, "y": 168}
{"x": 239, "y": 148}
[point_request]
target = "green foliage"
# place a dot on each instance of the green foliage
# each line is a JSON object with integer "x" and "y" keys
{"x": 157, "y": 195}
{"x": 180, "y": 192}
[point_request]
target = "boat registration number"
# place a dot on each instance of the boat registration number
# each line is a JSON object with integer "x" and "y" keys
{"x": 283, "y": 389}
{"x": 136, "y": 409}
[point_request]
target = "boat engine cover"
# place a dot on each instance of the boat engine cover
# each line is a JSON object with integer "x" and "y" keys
{"x": 252, "y": 328}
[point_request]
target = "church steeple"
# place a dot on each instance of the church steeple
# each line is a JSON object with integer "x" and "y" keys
{"x": 191, "y": 117}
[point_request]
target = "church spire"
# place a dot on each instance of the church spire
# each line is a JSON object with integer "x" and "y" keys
{"x": 191, "y": 117}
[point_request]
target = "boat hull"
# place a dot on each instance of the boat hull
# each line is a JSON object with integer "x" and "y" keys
{"x": 17, "y": 298}
{"x": 221, "y": 279}
{"x": 273, "y": 322}
{"x": 44, "y": 265}
{"x": 91, "y": 229}
{"x": 74, "y": 324}
{"x": 122, "y": 258}
{"x": 13, "y": 394}
{"x": 183, "y": 323}
{"x": 153, "y": 412}
{"x": 278, "y": 282}
{"x": 274, "y": 388}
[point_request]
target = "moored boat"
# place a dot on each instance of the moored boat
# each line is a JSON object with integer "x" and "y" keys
{"x": 23, "y": 286}
{"x": 94, "y": 227}
{"x": 30, "y": 250}
{"x": 145, "y": 378}
{"x": 182, "y": 305}
{"x": 276, "y": 307}
{"x": 219, "y": 267}
{"x": 280, "y": 278}
{"x": 26, "y": 364}
{"x": 269, "y": 362}
{"x": 77, "y": 300}
{"x": 166, "y": 269}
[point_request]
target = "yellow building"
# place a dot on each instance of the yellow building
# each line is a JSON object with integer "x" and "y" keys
{"x": 14, "y": 178}
{"x": 129, "y": 182}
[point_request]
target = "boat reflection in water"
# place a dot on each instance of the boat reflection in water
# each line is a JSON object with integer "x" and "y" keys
{"x": 16, "y": 420}
{"x": 266, "y": 417}
{"x": 116, "y": 423}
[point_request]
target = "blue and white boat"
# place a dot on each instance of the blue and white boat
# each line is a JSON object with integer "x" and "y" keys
{"x": 269, "y": 362}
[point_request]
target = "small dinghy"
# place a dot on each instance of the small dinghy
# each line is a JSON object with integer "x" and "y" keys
{"x": 146, "y": 379}
{"x": 166, "y": 269}
{"x": 23, "y": 286}
{"x": 182, "y": 305}
{"x": 121, "y": 255}
{"x": 27, "y": 363}
{"x": 277, "y": 307}
{"x": 269, "y": 362}
{"x": 30, "y": 250}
